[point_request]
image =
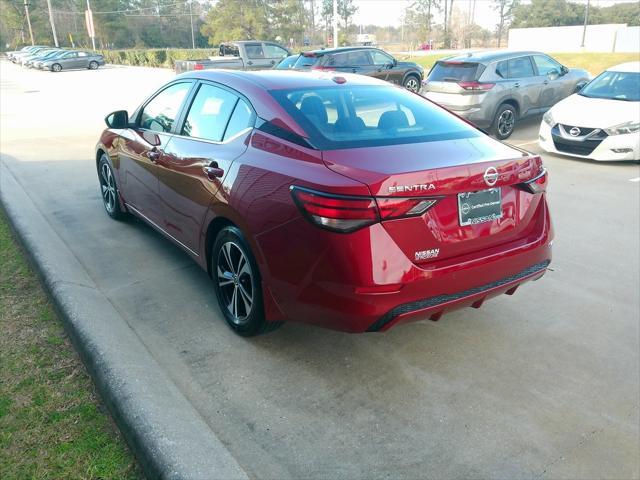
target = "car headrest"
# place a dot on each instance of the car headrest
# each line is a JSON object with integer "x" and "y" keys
{"x": 312, "y": 106}
{"x": 393, "y": 119}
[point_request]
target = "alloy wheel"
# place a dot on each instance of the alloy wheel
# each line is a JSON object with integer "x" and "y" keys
{"x": 108, "y": 184}
{"x": 506, "y": 121}
{"x": 56, "y": 67}
{"x": 235, "y": 280}
{"x": 412, "y": 84}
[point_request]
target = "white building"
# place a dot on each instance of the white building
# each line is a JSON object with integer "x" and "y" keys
{"x": 615, "y": 37}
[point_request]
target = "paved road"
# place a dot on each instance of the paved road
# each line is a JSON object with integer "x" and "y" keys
{"x": 544, "y": 384}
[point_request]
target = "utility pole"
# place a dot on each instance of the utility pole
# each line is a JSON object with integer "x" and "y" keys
{"x": 90, "y": 27}
{"x": 53, "y": 24}
{"x": 193, "y": 38}
{"x": 26, "y": 11}
{"x": 586, "y": 19}
{"x": 335, "y": 23}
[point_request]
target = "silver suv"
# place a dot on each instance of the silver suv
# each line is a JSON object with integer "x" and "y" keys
{"x": 495, "y": 89}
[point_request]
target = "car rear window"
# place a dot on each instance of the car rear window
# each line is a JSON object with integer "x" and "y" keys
{"x": 455, "y": 72}
{"x": 365, "y": 116}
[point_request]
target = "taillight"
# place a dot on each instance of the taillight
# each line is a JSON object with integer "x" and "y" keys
{"x": 198, "y": 66}
{"x": 344, "y": 213}
{"x": 391, "y": 207}
{"x": 537, "y": 184}
{"x": 476, "y": 86}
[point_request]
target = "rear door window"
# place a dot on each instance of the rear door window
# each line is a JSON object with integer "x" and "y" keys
{"x": 521, "y": 67}
{"x": 209, "y": 113}
{"x": 455, "y": 72}
{"x": 502, "y": 69}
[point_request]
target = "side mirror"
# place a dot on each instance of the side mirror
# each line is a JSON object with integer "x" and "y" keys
{"x": 580, "y": 86}
{"x": 553, "y": 74}
{"x": 117, "y": 119}
{"x": 564, "y": 70}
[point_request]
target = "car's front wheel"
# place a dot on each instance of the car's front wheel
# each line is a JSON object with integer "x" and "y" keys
{"x": 237, "y": 284}
{"x": 504, "y": 121}
{"x": 56, "y": 67}
{"x": 109, "y": 189}
{"x": 412, "y": 83}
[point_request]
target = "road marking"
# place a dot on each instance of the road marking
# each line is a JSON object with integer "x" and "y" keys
{"x": 637, "y": 179}
{"x": 526, "y": 143}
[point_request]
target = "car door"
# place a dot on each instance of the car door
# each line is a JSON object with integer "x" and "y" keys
{"x": 382, "y": 65}
{"x": 81, "y": 60}
{"x": 67, "y": 61}
{"x": 549, "y": 76}
{"x": 255, "y": 56}
{"x": 524, "y": 86}
{"x": 211, "y": 136}
{"x": 273, "y": 53}
{"x": 142, "y": 148}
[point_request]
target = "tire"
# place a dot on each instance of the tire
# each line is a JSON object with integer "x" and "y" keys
{"x": 56, "y": 67}
{"x": 237, "y": 283}
{"x": 109, "y": 189}
{"x": 93, "y": 65}
{"x": 412, "y": 83}
{"x": 505, "y": 121}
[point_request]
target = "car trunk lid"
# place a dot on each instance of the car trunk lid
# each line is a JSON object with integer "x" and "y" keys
{"x": 443, "y": 170}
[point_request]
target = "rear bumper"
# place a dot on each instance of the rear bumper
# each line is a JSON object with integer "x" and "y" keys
{"x": 434, "y": 307}
{"x": 368, "y": 284}
{"x": 473, "y": 108}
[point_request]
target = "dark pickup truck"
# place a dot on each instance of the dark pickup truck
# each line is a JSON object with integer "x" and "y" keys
{"x": 245, "y": 55}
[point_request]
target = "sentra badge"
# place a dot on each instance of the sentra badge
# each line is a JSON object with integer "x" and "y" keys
{"x": 423, "y": 187}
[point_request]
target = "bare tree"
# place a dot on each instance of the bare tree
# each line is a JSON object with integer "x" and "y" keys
{"x": 505, "y": 11}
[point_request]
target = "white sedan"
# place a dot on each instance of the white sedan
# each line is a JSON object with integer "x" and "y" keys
{"x": 601, "y": 122}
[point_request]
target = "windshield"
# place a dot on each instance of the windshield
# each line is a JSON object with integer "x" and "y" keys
{"x": 287, "y": 63}
{"x": 453, "y": 72}
{"x": 614, "y": 86}
{"x": 306, "y": 61}
{"x": 364, "y": 116}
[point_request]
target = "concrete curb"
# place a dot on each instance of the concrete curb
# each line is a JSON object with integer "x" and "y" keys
{"x": 167, "y": 435}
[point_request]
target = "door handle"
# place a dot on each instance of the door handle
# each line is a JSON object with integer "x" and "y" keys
{"x": 354, "y": 70}
{"x": 517, "y": 85}
{"x": 546, "y": 82}
{"x": 272, "y": 62}
{"x": 213, "y": 171}
{"x": 154, "y": 155}
{"x": 249, "y": 62}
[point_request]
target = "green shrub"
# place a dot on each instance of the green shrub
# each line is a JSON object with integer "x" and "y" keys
{"x": 155, "y": 57}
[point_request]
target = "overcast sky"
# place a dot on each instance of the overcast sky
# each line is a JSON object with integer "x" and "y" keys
{"x": 389, "y": 12}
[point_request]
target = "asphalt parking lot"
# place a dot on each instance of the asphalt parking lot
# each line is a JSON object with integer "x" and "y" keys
{"x": 543, "y": 384}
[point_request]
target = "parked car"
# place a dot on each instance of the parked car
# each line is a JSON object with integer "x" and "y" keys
{"x": 38, "y": 61}
{"x": 364, "y": 61}
{"x": 72, "y": 60}
{"x": 287, "y": 63}
{"x": 496, "y": 89}
{"x": 246, "y": 55}
{"x": 15, "y": 56}
{"x": 22, "y": 59}
{"x": 332, "y": 199}
{"x": 601, "y": 121}
{"x": 27, "y": 61}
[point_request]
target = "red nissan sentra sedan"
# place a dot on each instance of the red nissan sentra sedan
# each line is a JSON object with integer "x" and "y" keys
{"x": 340, "y": 201}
